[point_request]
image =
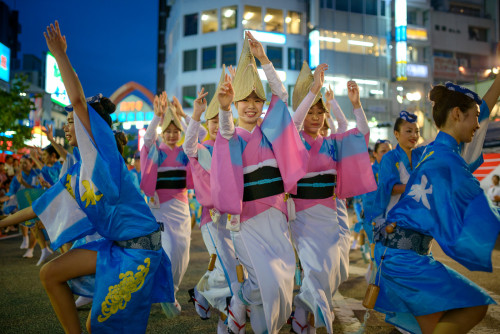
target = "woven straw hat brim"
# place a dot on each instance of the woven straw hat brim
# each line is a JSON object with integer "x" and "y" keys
{"x": 169, "y": 117}
{"x": 214, "y": 105}
{"x": 247, "y": 77}
{"x": 303, "y": 86}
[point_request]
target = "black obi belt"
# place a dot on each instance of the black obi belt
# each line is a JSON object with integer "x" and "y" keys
{"x": 171, "y": 179}
{"x": 263, "y": 182}
{"x": 316, "y": 187}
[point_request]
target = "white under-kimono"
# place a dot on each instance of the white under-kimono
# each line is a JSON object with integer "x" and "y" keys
{"x": 214, "y": 286}
{"x": 165, "y": 177}
{"x": 321, "y": 230}
{"x": 263, "y": 244}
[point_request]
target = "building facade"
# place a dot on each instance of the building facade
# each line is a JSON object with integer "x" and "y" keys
{"x": 394, "y": 49}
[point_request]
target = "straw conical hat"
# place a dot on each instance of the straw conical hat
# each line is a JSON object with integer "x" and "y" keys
{"x": 247, "y": 78}
{"x": 214, "y": 106}
{"x": 170, "y": 116}
{"x": 303, "y": 86}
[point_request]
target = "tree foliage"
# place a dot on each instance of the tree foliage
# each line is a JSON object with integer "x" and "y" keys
{"x": 15, "y": 107}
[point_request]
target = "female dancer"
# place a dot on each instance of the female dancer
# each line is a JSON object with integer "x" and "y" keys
{"x": 381, "y": 147}
{"x": 28, "y": 178}
{"x": 316, "y": 230}
{"x": 253, "y": 166}
{"x": 165, "y": 179}
{"x": 442, "y": 201}
{"x": 97, "y": 195}
{"x": 214, "y": 287}
{"x": 397, "y": 165}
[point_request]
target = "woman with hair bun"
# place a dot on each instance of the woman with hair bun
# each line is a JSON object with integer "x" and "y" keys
{"x": 396, "y": 166}
{"x": 97, "y": 200}
{"x": 442, "y": 201}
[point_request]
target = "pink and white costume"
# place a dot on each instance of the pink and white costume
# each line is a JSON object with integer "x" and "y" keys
{"x": 320, "y": 233}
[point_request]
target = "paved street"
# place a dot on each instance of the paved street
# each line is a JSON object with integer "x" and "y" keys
{"x": 25, "y": 308}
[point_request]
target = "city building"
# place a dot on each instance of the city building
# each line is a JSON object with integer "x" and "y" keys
{"x": 395, "y": 50}
{"x": 352, "y": 36}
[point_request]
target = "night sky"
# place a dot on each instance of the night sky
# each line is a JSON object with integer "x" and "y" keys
{"x": 110, "y": 42}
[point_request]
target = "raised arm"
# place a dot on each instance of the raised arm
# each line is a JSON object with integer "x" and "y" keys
{"x": 34, "y": 157}
{"x": 330, "y": 96}
{"x": 337, "y": 112}
{"x": 353, "y": 94}
{"x": 159, "y": 107}
{"x": 304, "y": 106}
{"x": 277, "y": 87}
{"x": 472, "y": 152}
{"x": 60, "y": 150}
{"x": 491, "y": 96}
{"x": 190, "y": 144}
{"x": 56, "y": 43}
{"x": 226, "y": 96}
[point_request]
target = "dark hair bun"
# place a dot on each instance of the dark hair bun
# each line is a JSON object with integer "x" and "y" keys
{"x": 444, "y": 100}
{"x": 107, "y": 105}
{"x": 121, "y": 138}
{"x": 438, "y": 93}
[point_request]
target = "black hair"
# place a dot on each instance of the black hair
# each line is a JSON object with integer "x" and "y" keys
{"x": 51, "y": 150}
{"x": 104, "y": 108}
{"x": 498, "y": 177}
{"x": 443, "y": 100}
{"x": 121, "y": 140}
{"x": 377, "y": 145}
{"x": 399, "y": 122}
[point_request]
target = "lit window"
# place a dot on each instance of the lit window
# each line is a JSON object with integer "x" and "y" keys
{"x": 274, "y": 20}
{"x": 189, "y": 60}
{"x": 188, "y": 96}
{"x": 275, "y": 55}
{"x": 293, "y": 23}
{"x": 209, "y": 57}
{"x": 352, "y": 43}
{"x": 190, "y": 24}
{"x": 209, "y": 21}
{"x": 228, "y": 17}
{"x": 252, "y": 18}
{"x": 228, "y": 54}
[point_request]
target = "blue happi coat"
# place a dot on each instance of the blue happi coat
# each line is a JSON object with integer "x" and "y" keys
{"x": 97, "y": 195}
{"x": 442, "y": 200}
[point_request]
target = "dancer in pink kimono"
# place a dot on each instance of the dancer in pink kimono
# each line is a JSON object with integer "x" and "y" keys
{"x": 339, "y": 166}
{"x": 253, "y": 166}
{"x": 165, "y": 179}
{"x": 214, "y": 287}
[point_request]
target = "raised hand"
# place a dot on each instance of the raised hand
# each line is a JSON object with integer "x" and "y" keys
{"x": 34, "y": 153}
{"x": 48, "y": 131}
{"x": 200, "y": 104}
{"x": 329, "y": 94}
{"x": 178, "y": 108}
{"x": 232, "y": 71}
{"x": 319, "y": 78}
{"x": 55, "y": 41}
{"x": 160, "y": 104}
{"x": 257, "y": 49}
{"x": 353, "y": 94}
{"x": 226, "y": 94}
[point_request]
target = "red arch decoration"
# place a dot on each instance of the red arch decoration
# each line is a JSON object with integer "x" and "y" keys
{"x": 128, "y": 88}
